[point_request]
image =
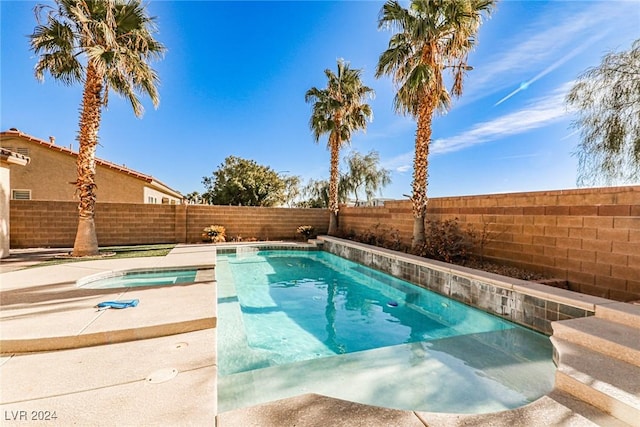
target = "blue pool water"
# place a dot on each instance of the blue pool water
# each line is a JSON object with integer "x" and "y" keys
{"x": 142, "y": 278}
{"x": 293, "y": 322}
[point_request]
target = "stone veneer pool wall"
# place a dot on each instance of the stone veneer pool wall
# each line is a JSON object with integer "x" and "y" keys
{"x": 527, "y": 303}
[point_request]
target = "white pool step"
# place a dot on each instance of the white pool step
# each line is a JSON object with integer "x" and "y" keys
{"x": 613, "y": 339}
{"x": 598, "y": 359}
{"x": 610, "y": 385}
{"x": 623, "y": 313}
{"x": 582, "y": 411}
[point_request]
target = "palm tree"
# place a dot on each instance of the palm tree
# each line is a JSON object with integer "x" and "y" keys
{"x": 432, "y": 35}
{"x": 338, "y": 110}
{"x": 194, "y": 198}
{"x": 105, "y": 45}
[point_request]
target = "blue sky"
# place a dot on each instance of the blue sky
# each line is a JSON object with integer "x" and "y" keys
{"x": 235, "y": 74}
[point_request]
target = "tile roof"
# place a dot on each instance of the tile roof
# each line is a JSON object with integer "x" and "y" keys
{"x": 148, "y": 178}
{"x": 53, "y": 146}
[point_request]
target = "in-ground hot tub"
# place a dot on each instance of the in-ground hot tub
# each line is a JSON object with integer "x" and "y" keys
{"x": 139, "y": 278}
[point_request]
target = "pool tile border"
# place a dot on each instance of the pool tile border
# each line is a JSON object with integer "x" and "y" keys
{"x": 527, "y": 303}
{"x": 232, "y": 247}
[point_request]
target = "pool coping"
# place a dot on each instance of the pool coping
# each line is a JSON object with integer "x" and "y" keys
{"x": 201, "y": 276}
{"x": 315, "y": 410}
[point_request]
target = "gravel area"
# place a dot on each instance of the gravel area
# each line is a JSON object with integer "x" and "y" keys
{"x": 504, "y": 270}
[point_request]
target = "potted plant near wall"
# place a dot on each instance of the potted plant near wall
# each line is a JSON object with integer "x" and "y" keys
{"x": 214, "y": 234}
{"x": 307, "y": 231}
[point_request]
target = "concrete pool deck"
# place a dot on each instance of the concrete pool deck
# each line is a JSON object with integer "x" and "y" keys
{"x": 167, "y": 376}
{"x": 154, "y": 364}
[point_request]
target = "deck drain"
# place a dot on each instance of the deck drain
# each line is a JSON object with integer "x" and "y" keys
{"x": 161, "y": 375}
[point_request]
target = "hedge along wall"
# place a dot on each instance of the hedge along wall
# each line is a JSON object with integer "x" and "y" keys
{"x": 54, "y": 224}
{"x": 589, "y": 237}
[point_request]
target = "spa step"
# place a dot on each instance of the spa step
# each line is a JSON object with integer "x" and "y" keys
{"x": 581, "y": 409}
{"x": 620, "y": 312}
{"x": 610, "y": 338}
{"x": 609, "y": 384}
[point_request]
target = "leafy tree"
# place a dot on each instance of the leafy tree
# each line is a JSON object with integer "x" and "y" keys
{"x": 607, "y": 101}
{"x": 338, "y": 110}
{"x": 364, "y": 174}
{"x": 316, "y": 194}
{"x": 243, "y": 182}
{"x": 103, "y": 45}
{"x": 292, "y": 190}
{"x": 431, "y": 36}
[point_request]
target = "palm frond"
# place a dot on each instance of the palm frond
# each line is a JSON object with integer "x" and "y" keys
{"x": 430, "y": 35}
{"x": 115, "y": 36}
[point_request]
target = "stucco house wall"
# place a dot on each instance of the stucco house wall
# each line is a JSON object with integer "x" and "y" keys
{"x": 7, "y": 158}
{"x": 52, "y": 171}
{"x": 4, "y": 209}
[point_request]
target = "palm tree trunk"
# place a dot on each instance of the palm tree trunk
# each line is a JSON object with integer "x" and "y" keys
{"x": 420, "y": 173}
{"x": 86, "y": 242}
{"x": 333, "y": 184}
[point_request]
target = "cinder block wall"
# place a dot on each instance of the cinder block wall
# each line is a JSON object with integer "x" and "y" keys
{"x": 36, "y": 224}
{"x": 254, "y": 222}
{"x": 132, "y": 224}
{"x": 589, "y": 237}
{"x": 54, "y": 224}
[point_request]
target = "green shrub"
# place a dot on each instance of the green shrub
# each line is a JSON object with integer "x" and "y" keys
{"x": 388, "y": 238}
{"x": 445, "y": 241}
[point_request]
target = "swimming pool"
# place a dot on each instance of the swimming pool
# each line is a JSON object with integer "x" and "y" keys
{"x": 293, "y": 322}
{"x": 130, "y": 279}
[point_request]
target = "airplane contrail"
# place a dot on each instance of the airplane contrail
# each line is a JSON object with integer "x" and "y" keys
{"x": 550, "y": 68}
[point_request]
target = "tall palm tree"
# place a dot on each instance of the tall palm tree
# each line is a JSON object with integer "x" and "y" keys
{"x": 338, "y": 110}
{"x": 105, "y": 44}
{"x": 431, "y": 36}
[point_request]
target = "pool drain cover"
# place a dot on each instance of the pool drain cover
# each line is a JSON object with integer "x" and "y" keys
{"x": 161, "y": 375}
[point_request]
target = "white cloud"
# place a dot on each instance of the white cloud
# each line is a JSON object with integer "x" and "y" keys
{"x": 555, "y": 65}
{"x": 541, "y": 112}
{"x": 401, "y": 163}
